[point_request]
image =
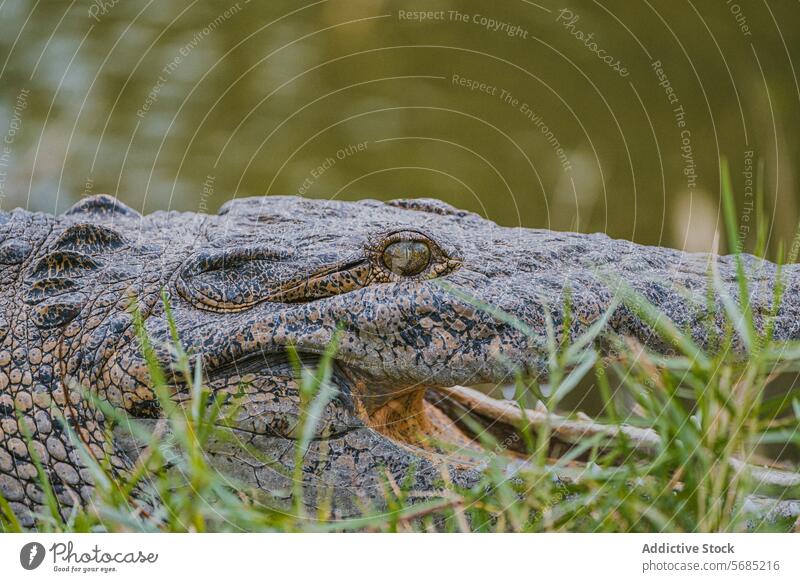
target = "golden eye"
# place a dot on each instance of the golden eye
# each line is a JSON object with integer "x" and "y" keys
{"x": 407, "y": 257}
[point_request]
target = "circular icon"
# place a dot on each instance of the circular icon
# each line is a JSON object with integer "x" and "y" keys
{"x": 31, "y": 555}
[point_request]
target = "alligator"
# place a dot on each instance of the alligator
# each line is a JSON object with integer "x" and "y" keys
{"x": 399, "y": 285}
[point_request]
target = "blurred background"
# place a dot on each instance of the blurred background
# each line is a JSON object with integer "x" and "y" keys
{"x": 588, "y": 116}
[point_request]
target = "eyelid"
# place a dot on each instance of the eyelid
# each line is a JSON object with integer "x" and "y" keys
{"x": 407, "y": 235}
{"x": 379, "y": 244}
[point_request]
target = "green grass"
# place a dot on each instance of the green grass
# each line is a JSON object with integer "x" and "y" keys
{"x": 707, "y": 406}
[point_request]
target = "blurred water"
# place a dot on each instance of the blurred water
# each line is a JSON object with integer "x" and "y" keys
{"x": 184, "y": 105}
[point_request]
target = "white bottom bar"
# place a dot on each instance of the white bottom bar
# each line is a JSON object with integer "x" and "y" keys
{"x": 354, "y": 557}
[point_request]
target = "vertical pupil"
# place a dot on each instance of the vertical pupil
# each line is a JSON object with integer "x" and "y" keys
{"x": 406, "y": 257}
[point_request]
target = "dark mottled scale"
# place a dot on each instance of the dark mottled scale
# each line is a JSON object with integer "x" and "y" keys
{"x": 74, "y": 363}
{"x": 14, "y": 252}
{"x": 114, "y": 273}
{"x": 44, "y": 374}
{"x": 145, "y": 409}
{"x": 63, "y": 264}
{"x": 59, "y": 427}
{"x": 55, "y": 481}
{"x": 89, "y": 238}
{"x": 46, "y": 288}
{"x": 109, "y": 331}
{"x": 58, "y": 311}
{"x": 102, "y": 205}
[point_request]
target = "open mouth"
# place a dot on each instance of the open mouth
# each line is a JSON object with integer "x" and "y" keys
{"x": 454, "y": 425}
{"x": 436, "y": 423}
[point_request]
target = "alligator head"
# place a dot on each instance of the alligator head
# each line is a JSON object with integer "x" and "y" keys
{"x": 397, "y": 283}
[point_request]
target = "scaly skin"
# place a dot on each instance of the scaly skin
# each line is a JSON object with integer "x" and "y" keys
{"x": 271, "y": 272}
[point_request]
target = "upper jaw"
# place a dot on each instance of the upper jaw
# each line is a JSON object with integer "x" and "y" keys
{"x": 392, "y": 337}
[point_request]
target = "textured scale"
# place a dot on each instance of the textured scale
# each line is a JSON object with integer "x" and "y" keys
{"x": 13, "y": 252}
{"x": 63, "y": 264}
{"x": 47, "y": 288}
{"x": 59, "y": 310}
{"x": 89, "y": 238}
{"x": 101, "y": 205}
{"x": 268, "y": 273}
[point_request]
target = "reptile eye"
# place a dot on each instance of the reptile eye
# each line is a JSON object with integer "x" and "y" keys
{"x": 407, "y": 257}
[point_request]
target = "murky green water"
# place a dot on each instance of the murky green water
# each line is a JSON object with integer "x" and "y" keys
{"x": 592, "y": 116}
